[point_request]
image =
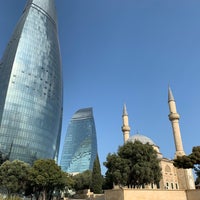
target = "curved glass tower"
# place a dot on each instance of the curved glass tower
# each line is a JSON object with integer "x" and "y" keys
{"x": 31, "y": 86}
{"x": 80, "y": 145}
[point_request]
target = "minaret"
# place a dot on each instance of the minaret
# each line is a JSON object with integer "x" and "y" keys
{"x": 185, "y": 176}
{"x": 174, "y": 118}
{"x": 125, "y": 128}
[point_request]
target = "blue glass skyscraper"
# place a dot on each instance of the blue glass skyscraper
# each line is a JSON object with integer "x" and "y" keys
{"x": 80, "y": 145}
{"x": 31, "y": 86}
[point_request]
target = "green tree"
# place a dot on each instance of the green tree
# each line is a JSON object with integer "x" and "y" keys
{"x": 45, "y": 177}
{"x": 83, "y": 180}
{"x": 118, "y": 170}
{"x": 190, "y": 161}
{"x": 13, "y": 176}
{"x": 97, "y": 179}
{"x": 107, "y": 182}
{"x": 134, "y": 165}
{"x": 184, "y": 162}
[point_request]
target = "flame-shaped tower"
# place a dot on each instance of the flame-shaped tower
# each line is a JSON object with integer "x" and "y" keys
{"x": 31, "y": 86}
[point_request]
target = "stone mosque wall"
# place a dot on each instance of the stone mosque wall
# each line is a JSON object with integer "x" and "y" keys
{"x": 144, "y": 194}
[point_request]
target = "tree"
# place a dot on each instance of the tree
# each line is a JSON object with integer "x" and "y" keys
{"x": 97, "y": 179}
{"x": 134, "y": 165}
{"x": 13, "y": 176}
{"x": 118, "y": 170}
{"x": 45, "y": 177}
{"x": 107, "y": 182}
{"x": 83, "y": 180}
{"x": 184, "y": 162}
{"x": 190, "y": 161}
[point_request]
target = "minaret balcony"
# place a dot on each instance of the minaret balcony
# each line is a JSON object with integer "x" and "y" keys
{"x": 126, "y": 128}
{"x": 174, "y": 116}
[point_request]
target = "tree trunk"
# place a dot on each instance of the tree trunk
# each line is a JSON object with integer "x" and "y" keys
{"x": 50, "y": 194}
{"x": 44, "y": 195}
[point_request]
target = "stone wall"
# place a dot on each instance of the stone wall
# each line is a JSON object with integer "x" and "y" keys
{"x": 193, "y": 194}
{"x": 115, "y": 194}
{"x": 144, "y": 194}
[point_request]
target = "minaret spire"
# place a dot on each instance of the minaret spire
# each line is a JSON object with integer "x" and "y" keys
{"x": 170, "y": 95}
{"x": 125, "y": 127}
{"x": 174, "y": 118}
{"x": 125, "y": 110}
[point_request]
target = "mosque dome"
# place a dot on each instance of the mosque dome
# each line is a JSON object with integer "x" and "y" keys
{"x": 143, "y": 139}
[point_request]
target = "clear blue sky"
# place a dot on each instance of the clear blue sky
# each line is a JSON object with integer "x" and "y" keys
{"x": 127, "y": 51}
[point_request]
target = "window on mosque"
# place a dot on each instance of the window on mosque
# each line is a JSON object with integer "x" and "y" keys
{"x": 167, "y": 186}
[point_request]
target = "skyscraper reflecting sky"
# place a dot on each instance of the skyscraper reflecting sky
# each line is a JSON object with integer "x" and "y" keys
{"x": 31, "y": 86}
{"x": 80, "y": 145}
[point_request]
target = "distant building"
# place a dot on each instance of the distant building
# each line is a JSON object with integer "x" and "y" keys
{"x": 172, "y": 177}
{"x": 80, "y": 145}
{"x": 31, "y": 86}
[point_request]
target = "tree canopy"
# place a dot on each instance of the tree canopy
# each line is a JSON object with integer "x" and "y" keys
{"x": 43, "y": 178}
{"x": 188, "y": 161}
{"x": 46, "y": 176}
{"x": 82, "y": 180}
{"x": 134, "y": 165}
{"x": 14, "y": 176}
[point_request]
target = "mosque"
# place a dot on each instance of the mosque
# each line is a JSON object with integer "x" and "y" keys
{"x": 172, "y": 177}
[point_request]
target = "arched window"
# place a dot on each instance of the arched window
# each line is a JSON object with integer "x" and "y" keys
{"x": 167, "y": 168}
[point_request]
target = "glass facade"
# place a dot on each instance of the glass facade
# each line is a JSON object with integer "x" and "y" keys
{"x": 80, "y": 145}
{"x": 31, "y": 86}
